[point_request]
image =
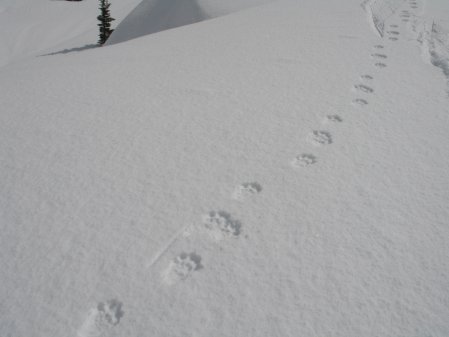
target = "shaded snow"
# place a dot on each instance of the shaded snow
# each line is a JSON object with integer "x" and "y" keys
{"x": 157, "y": 15}
{"x": 35, "y": 27}
{"x": 152, "y": 16}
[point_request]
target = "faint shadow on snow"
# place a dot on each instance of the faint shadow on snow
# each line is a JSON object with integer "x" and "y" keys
{"x": 72, "y": 50}
{"x": 152, "y": 16}
{"x": 434, "y": 42}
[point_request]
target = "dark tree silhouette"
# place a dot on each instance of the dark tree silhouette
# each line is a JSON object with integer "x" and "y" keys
{"x": 105, "y": 22}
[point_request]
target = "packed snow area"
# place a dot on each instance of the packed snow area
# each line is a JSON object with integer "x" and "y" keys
{"x": 281, "y": 170}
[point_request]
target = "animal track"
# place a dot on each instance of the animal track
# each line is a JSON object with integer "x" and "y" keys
{"x": 379, "y": 56}
{"x": 246, "y": 190}
{"x": 366, "y": 77}
{"x": 378, "y": 46}
{"x": 364, "y": 88}
{"x": 181, "y": 267}
{"x": 101, "y": 319}
{"x": 320, "y": 138}
{"x": 393, "y": 38}
{"x": 393, "y": 32}
{"x": 220, "y": 224}
{"x": 380, "y": 65}
{"x": 303, "y": 160}
{"x": 359, "y": 102}
{"x": 333, "y": 118}
{"x": 394, "y": 26}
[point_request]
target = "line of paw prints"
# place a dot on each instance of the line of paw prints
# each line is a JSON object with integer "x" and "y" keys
{"x": 220, "y": 225}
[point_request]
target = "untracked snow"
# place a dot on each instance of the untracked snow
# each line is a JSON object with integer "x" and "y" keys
{"x": 279, "y": 171}
{"x": 152, "y": 16}
{"x": 36, "y": 27}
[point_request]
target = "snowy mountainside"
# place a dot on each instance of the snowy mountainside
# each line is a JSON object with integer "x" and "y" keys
{"x": 34, "y": 27}
{"x": 280, "y": 171}
{"x": 152, "y": 16}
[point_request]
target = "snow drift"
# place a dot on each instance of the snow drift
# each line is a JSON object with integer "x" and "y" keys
{"x": 35, "y": 27}
{"x": 152, "y": 16}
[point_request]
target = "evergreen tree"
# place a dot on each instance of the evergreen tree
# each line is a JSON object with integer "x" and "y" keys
{"x": 105, "y": 22}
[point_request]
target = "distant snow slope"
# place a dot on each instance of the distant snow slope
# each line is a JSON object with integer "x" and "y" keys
{"x": 32, "y": 27}
{"x": 380, "y": 10}
{"x": 281, "y": 171}
{"x": 152, "y": 16}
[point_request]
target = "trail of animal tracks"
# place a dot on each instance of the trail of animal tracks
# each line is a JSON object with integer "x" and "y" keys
{"x": 277, "y": 171}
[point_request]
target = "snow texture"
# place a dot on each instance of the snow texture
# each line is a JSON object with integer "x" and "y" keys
{"x": 152, "y": 16}
{"x": 280, "y": 170}
{"x": 379, "y": 11}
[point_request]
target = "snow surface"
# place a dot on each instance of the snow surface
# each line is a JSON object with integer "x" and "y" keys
{"x": 281, "y": 171}
{"x": 33, "y": 27}
{"x": 152, "y": 16}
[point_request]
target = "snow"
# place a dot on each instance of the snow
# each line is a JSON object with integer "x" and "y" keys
{"x": 31, "y": 28}
{"x": 279, "y": 171}
{"x": 433, "y": 36}
{"x": 152, "y": 16}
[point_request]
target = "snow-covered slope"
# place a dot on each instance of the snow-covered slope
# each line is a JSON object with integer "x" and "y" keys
{"x": 34, "y": 27}
{"x": 281, "y": 171}
{"x": 152, "y": 16}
